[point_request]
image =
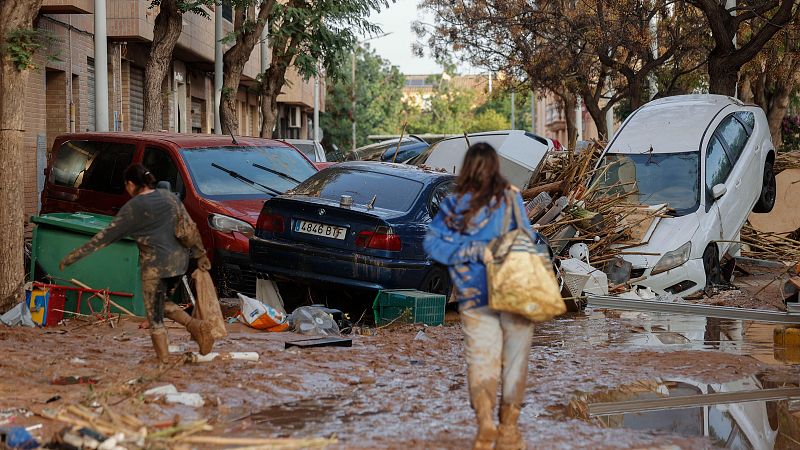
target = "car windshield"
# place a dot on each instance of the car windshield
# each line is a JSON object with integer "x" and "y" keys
{"x": 227, "y": 173}
{"x": 390, "y": 192}
{"x": 307, "y": 149}
{"x": 653, "y": 179}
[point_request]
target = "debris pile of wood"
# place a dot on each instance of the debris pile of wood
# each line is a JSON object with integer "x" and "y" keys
{"x": 776, "y": 235}
{"x": 102, "y": 428}
{"x": 786, "y": 160}
{"x": 566, "y": 206}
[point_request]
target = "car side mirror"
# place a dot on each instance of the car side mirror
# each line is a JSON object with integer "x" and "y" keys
{"x": 718, "y": 191}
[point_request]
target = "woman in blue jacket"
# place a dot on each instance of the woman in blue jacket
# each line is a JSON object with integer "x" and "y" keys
{"x": 496, "y": 343}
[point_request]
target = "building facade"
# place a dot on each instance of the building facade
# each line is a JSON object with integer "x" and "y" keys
{"x": 60, "y": 95}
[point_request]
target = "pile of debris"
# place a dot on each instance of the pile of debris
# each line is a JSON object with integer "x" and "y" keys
{"x": 776, "y": 235}
{"x": 568, "y": 207}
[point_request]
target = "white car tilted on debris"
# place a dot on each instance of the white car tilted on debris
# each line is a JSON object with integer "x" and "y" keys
{"x": 709, "y": 159}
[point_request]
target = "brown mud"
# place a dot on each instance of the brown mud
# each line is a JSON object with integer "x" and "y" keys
{"x": 388, "y": 390}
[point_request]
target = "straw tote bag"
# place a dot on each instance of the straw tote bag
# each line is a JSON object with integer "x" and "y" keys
{"x": 519, "y": 272}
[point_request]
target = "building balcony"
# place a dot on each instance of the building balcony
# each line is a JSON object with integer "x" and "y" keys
{"x": 67, "y": 7}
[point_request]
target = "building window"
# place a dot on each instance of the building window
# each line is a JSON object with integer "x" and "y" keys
{"x": 227, "y": 11}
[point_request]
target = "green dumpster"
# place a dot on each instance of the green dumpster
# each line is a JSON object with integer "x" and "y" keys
{"x": 115, "y": 267}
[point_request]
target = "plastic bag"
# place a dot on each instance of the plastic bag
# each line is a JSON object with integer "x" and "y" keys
{"x": 314, "y": 321}
{"x": 260, "y": 316}
{"x": 207, "y": 307}
{"x": 19, "y": 315}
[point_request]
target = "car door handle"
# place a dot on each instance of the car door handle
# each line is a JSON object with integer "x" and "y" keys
{"x": 738, "y": 183}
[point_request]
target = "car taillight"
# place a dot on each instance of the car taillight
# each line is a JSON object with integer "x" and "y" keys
{"x": 556, "y": 145}
{"x": 270, "y": 222}
{"x": 383, "y": 238}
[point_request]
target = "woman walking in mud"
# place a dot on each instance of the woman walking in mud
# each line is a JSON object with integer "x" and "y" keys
{"x": 497, "y": 344}
{"x": 167, "y": 237}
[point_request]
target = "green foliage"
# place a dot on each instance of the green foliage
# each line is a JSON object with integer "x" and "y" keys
{"x": 21, "y": 44}
{"x": 320, "y": 34}
{"x": 379, "y": 93}
{"x": 226, "y": 92}
{"x": 488, "y": 120}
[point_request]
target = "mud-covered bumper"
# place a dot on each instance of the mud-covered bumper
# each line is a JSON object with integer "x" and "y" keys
{"x": 307, "y": 264}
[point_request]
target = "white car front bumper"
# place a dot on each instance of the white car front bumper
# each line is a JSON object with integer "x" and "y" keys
{"x": 690, "y": 271}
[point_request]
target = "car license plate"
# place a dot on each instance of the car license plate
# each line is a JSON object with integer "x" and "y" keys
{"x": 320, "y": 229}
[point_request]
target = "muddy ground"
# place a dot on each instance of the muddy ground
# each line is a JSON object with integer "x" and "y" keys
{"x": 393, "y": 391}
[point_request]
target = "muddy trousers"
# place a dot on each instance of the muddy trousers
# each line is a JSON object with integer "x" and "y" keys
{"x": 497, "y": 345}
{"x": 155, "y": 293}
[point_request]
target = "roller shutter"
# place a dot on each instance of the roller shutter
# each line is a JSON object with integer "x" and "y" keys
{"x": 137, "y": 99}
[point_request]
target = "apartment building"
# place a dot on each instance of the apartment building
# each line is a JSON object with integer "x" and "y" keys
{"x": 61, "y": 91}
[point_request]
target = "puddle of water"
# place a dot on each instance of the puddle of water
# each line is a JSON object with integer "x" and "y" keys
{"x": 743, "y": 414}
{"x": 667, "y": 332}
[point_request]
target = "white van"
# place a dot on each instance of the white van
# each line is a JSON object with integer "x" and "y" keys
{"x": 709, "y": 158}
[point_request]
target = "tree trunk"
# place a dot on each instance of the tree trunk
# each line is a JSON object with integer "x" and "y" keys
{"x": 777, "y": 111}
{"x": 271, "y": 85}
{"x": 598, "y": 115}
{"x": 636, "y": 92}
{"x": 166, "y": 31}
{"x": 722, "y": 78}
{"x": 17, "y": 15}
{"x": 569, "y": 103}
{"x": 235, "y": 59}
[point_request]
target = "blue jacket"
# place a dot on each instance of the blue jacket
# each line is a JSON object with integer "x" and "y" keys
{"x": 462, "y": 252}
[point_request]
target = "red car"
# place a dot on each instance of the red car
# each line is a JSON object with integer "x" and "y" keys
{"x": 223, "y": 184}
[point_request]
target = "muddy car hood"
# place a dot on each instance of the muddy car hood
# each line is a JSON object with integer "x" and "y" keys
{"x": 247, "y": 210}
{"x": 669, "y": 234}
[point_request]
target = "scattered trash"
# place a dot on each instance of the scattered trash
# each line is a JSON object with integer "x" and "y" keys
{"x": 162, "y": 390}
{"x": 69, "y": 380}
{"x": 260, "y": 316}
{"x": 320, "y": 342}
{"x": 53, "y": 399}
{"x": 17, "y": 438}
{"x": 84, "y": 438}
{"x": 312, "y": 320}
{"x": 581, "y": 278}
{"x": 244, "y": 356}
{"x": 185, "y": 398}
{"x": 9, "y": 415}
{"x": 421, "y": 336}
{"x": 267, "y": 293}
{"x": 618, "y": 271}
{"x": 639, "y": 293}
{"x": 19, "y": 315}
{"x": 77, "y": 360}
{"x": 177, "y": 348}
{"x": 171, "y": 395}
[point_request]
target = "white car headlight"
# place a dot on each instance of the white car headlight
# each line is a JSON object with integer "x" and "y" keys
{"x": 229, "y": 224}
{"x": 673, "y": 259}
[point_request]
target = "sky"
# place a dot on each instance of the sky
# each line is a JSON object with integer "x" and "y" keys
{"x": 396, "y": 47}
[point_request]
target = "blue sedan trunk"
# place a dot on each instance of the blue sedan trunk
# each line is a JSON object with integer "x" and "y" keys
{"x": 310, "y": 236}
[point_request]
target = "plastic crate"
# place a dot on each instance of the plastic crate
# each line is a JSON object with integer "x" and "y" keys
{"x": 422, "y": 307}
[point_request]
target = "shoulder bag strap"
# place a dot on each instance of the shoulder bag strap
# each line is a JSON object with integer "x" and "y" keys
{"x": 518, "y": 216}
{"x": 507, "y": 214}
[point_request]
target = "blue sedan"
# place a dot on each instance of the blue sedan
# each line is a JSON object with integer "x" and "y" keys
{"x": 356, "y": 224}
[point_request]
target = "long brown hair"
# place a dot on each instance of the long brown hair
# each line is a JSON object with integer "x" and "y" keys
{"x": 480, "y": 177}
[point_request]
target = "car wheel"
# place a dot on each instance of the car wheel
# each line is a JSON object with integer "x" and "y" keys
{"x": 711, "y": 265}
{"x": 437, "y": 281}
{"x": 768, "y": 190}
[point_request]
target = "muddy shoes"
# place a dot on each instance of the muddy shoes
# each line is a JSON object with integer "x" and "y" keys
{"x": 483, "y": 404}
{"x": 199, "y": 329}
{"x": 509, "y": 436}
{"x": 160, "y": 345}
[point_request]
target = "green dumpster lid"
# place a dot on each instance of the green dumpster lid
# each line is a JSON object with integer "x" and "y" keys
{"x": 82, "y": 222}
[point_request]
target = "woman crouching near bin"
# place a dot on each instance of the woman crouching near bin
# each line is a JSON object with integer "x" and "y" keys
{"x": 497, "y": 344}
{"x": 167, "y": 237}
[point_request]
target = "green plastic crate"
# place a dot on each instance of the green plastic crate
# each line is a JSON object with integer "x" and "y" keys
{"x": 423, "y": 307}
{"x": 115, "y": 267}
